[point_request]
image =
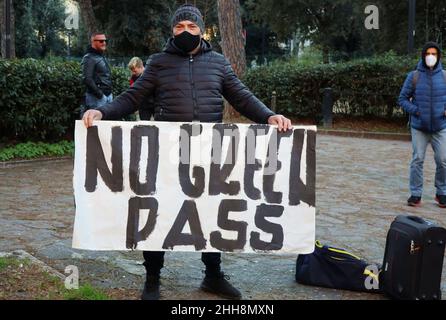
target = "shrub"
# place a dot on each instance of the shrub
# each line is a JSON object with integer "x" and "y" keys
{"x": 362, "y": 88}
{"x": 30, "y": 150}
{"x": 40, "y": 100}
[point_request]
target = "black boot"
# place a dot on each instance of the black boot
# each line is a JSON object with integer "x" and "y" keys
{"x": 218, "y": 284}
{"x": 151, "y": 289}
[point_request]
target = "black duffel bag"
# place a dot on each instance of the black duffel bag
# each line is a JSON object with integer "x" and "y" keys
{"x": 337, "y": 269}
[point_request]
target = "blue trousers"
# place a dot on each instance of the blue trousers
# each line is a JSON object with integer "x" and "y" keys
{"x": 420, "y": 141}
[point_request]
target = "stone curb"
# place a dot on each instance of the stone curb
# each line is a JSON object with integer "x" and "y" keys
{"x": 21, "y": 254}
{"x": 367, "y": 135}
{"x": 4, "y": 164}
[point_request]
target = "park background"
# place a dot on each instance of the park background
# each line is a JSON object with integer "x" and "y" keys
{"x": 292, "y": 51}
{"x": 287, "y": 52}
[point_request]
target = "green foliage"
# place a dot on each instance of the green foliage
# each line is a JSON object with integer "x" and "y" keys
{"x": 362, "y": 88}
{"x": 39, "y": 27}
{"x": 45, "y": 286}
{"x": 30, "y": 150}
{"x": 310, "y": 56}
{"x": 135, "y": 27}
{"x": 140, "y": 27}
{"x": 330, "y": 24}
{"x": 7, "y": 261}
{"x": 85, "y": 292}
{"x": 26, "y": 43}
{"x": 40, "y": 100}
{"x": 337, "y": 26}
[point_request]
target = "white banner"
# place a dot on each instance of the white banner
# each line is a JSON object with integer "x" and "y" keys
{"x": 162, "y": 186}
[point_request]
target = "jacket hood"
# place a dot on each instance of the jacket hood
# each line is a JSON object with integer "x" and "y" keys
{"x": 424, "y": 68}
{"x": 427, "y": 46}
{"x": 171, "y": 48}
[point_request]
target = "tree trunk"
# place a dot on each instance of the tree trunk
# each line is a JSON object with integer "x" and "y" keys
{"x": 232, "y": 40}
{"x": 296, "y": 43}
{"x": 326, "y": 55}
{"x": 87, "y": 13}
{"x": 7, "y": 29}
{"x": 2, "y": 28}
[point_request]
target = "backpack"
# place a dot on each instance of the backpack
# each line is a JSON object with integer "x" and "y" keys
{"x": 416, "y": 76}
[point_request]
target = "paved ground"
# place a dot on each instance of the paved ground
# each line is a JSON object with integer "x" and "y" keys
{"x": 361, "y": 187}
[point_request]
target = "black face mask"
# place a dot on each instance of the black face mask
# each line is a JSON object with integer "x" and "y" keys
{"x": 186, "y": 41}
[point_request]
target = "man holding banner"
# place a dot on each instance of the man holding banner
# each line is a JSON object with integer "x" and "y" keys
{"x": 188, "y": 80}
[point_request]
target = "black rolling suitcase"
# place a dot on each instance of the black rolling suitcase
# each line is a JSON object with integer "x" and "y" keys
{"x": 413, "y": 260}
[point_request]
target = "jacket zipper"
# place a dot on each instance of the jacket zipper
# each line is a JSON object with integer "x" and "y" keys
{"x": 432, "y": 90}
{"x": 194, "y": 92}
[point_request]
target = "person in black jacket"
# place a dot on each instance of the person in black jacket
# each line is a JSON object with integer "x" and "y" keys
{"x": 188, "y": 81}
{"x": 96, "y": 73}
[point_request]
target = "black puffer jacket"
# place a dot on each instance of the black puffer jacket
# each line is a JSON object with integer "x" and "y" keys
{"x": 146, "y": 108}
{"x": 188, "y": 88}
{"x": 96, "y": 73}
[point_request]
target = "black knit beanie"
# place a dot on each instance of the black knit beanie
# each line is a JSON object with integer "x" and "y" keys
{"x": 188, "y": 12}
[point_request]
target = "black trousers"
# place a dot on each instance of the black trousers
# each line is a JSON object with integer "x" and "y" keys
{"x": 154, "y": 262}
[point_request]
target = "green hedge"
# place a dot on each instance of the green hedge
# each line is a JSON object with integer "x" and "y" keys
{"x": 39, "y": 100}
{"x": 31, "y": 150}
{"x": 362, "y": 88}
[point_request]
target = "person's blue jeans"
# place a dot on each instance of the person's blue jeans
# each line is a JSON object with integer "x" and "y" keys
{"x": 420, "y": 141}
{"x": 92, "y": 102}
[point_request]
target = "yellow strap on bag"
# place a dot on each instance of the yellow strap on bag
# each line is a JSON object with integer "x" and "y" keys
{"x": 320, "y": 246}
